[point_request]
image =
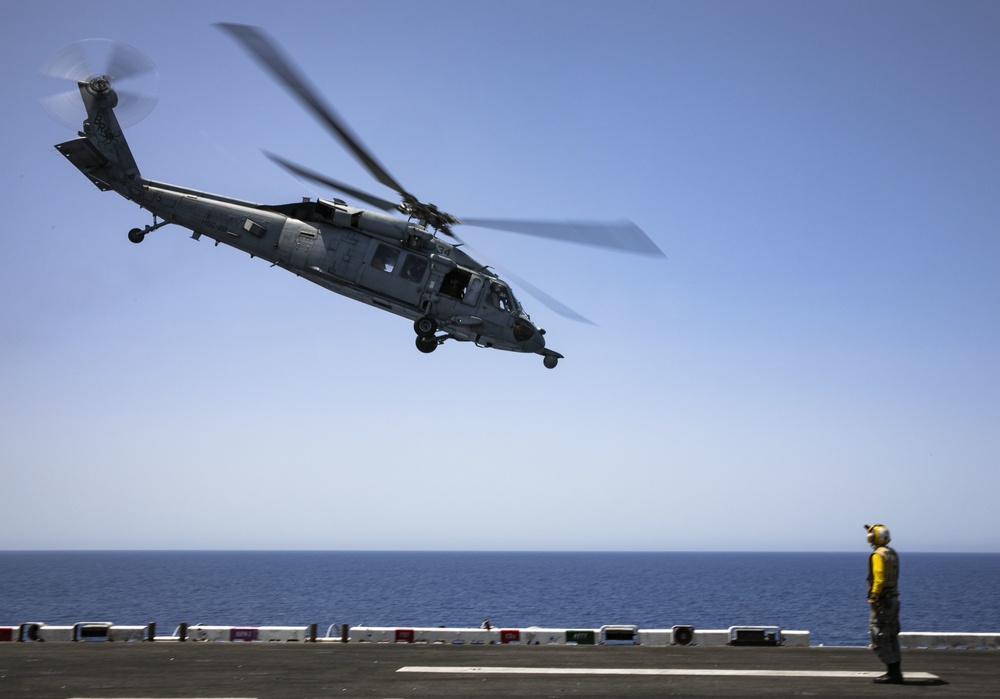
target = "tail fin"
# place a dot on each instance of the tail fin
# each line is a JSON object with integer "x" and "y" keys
{"x": 102, "y": 154}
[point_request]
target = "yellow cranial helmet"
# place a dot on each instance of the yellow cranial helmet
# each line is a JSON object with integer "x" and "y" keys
{"x": 878, "y": 534}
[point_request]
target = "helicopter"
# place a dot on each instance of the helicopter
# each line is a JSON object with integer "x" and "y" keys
{"x": 413, "y": 266}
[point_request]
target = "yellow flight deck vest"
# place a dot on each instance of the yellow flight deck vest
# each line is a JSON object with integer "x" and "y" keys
{"x": 883, "y": 572}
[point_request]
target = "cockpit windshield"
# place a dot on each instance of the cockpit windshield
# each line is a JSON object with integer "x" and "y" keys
{"x": 500, "y": 297}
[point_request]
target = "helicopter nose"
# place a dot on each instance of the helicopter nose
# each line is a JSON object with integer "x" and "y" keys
{"x": 536, "y": 342}
{"x": 529, "y": 338}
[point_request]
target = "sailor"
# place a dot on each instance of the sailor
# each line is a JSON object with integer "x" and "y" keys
{"x": 883, "y": 597}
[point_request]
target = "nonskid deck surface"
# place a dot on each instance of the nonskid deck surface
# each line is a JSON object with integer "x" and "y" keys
{"x": 266, "y": 670}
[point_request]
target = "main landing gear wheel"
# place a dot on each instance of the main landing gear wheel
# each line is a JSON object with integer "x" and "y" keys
{"x": 427, "y": 344}
{"x": 425, "y": 326}
{"x": 550, "y": 361}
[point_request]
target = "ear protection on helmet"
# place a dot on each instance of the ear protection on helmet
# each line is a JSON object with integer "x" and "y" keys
{"x": 878, "y": 534}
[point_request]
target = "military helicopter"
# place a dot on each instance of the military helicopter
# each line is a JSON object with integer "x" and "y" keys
{"x": 414, "y": 267}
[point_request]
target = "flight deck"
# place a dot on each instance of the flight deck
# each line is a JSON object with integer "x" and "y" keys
{"x": 272, "y": 670}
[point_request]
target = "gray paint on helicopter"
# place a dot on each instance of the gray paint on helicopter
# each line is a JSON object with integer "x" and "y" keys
{"x": 402, "y": 266}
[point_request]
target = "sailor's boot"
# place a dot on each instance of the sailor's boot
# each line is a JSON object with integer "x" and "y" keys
{"x": 893, "y": 676}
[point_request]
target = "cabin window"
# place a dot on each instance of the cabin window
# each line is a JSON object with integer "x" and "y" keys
{"x": 413, "y": 268}
{"x": 455, "y": 283}
{"x": 385, "y": 258}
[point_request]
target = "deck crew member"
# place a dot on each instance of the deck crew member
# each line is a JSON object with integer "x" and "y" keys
{"x": 883, "y": 598}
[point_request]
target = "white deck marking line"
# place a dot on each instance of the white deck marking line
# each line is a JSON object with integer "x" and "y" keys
{"x": 693, "y": 672}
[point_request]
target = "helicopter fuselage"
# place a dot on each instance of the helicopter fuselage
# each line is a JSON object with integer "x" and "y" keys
{"x": 378, "y": 259}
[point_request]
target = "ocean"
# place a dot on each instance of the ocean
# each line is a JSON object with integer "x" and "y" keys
{"x": 823, "y": 593}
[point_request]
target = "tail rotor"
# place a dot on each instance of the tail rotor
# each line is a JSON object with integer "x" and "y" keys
{"x": 101, "y": 62}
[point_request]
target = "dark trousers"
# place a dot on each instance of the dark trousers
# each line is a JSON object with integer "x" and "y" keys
{"x": 883, "y": 624}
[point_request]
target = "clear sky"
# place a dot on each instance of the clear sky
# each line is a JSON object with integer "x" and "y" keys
{"x": 819, "y": 349}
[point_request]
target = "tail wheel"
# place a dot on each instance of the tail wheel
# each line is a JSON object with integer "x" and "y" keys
{"x": 425, "y": 327}
{"x": 136, "y": 235}
{"x": 550, "y": 361}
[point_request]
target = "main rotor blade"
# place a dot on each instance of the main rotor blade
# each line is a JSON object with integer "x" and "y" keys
{"x": 267, "y": 53}
{"x": 317, "y": 178}
{"x": 549, "y": 302}
{"x": 620, "y": 235}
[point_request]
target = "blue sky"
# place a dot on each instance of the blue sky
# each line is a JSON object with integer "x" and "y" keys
{"x": 820, "y": 349}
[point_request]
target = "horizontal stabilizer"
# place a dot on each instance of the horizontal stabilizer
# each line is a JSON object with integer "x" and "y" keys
{"x": 88, "y": 160}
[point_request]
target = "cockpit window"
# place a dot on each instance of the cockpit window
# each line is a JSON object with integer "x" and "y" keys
{"x": 500, "y": 297}
{"x": 385, "y": 258}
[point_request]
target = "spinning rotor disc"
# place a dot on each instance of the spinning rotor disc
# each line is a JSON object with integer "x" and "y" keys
{"x": 132, "y": 75}
{"x": 622, "y": 236}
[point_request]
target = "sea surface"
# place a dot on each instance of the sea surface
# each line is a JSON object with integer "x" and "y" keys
{"x": 823, "y": 593}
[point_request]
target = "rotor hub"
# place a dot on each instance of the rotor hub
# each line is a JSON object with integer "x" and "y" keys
{"x": 101, "y": 85}
{"x": 429, "y": 215}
